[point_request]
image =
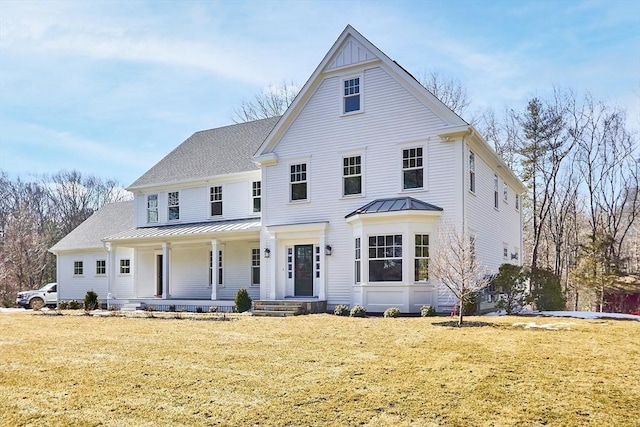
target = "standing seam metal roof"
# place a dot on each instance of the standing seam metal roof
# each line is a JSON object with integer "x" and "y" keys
{"x": 395, "y": 204}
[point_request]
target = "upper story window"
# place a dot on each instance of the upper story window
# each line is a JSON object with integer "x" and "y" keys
{"x": 351, "y": 175}
{"x": 215, "y": 197}
{"x": 152, "y": 208}
{"x": 351, "y": 95}
{"x": 357, "y": 258}
{"x": 472, "y": 172}
{"x": 101, "y": 267}
{"x": 78, "y": 268}
{"x": 298, "y": 182}
{"x": 412, "y": 168}
{"x": 495, "y": 191}
{"x": 517, "y": 202}
{"x": 421, "y": 267}
{"x": 125, "y": 266}
{"x": 385, "y": 258}
{"x": 505, "y": 191}
{"x": 256, "y": 195}
{"x": 174, "y": 205}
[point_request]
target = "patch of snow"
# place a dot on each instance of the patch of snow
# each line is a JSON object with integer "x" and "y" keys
{"x": 585, "y": 315}
{"x": 548, "y": 326}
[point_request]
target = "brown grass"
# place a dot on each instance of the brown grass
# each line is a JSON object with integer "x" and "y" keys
{"x": 317, "y": 370}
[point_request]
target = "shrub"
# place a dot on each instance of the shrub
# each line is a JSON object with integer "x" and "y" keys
{"x": 358, "y": 311}
{"x": 427, "y": 311}
{"x": 511, "y": 282}
{"x": 470, "y": 305}
{"x": 149, "y": 308}
{"x": 199, "y": 309}
{"x": 213, "y": 309}
{"x": 74, "y": 305}
{"x": 63, "y": 305}
{"x": 242, "y": 300}
{"x": 172, "y": 308}
{"x": 90, "y": 301}
{"x": 341, "y": 310}
{"x": 546, "y": 290}
{"x": 392, "y": 312}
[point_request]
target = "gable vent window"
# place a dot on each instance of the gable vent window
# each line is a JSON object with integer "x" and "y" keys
{"x": 351, "y": 95}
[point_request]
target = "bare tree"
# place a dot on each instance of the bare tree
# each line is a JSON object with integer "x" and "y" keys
{"x": 447, "y": 89}
{"x": 272, "y": 102}
{"x": 456, "y": 266}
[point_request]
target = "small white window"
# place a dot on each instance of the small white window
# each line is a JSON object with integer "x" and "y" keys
{"x": 412, "y": 168}
{"x": 495, "y": 191}
{"x": 358, "y": 251}
{"x": 351, "y": 175}
{"x": 351, "y": 95}
{"x": 78, "y": 268}
{"x": 152, "y": 208}
{"x": 256, "y": 194}
{"x": 215, "y": 198}
{"x": 125, "y": 266}
{"x": 472, "y": 172}
{"x": 101, "y": 267}
{"x": 255, "y": 267}
{"x": 505, "y": 251}
{"x": 517, "y": 202}
{"x": 174, "y": 205}
{"x": 298, "y": 182}
{"x": 505, "y": 191}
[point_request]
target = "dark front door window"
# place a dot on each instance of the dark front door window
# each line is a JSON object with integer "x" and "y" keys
{"x": 303, "y": 279}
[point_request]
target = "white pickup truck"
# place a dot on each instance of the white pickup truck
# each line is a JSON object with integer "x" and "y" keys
{"x": 36, "y": 299}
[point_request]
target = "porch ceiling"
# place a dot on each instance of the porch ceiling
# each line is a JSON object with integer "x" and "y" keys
{"x": 187, "y": 230}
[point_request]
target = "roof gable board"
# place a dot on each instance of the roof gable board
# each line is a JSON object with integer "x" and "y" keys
{"x": 349, "y": 50}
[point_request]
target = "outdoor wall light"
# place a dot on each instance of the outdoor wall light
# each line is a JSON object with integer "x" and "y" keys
{"x": 267, "y": 253}
{"x": 514, "y": 256}
{"x": 327, "y": 250}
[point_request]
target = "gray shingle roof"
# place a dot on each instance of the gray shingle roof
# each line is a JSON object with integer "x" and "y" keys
{"x": 109, "y": 219}
{"x": 207, "y": 153}
{"x": 394, "y": 205}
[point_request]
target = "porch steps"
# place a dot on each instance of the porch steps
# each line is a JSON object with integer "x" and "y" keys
{"x": 284, "y": 308}
{"x": 132, "y": 306}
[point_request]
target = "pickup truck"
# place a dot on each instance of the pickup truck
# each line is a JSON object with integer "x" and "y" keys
{"x": 36, "y": 299}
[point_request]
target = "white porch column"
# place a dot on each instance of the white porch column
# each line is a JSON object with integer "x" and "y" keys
{"x": 322, "y": 282}
{"x": 214, "y": 269}
{"x": 273, "y": 260}
{"x": 166, "y": 253}
{"x": 111, "y": 273}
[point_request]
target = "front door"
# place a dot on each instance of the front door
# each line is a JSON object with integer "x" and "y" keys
{"x": 303, "y": 266}
{"x": 159, "y": 275}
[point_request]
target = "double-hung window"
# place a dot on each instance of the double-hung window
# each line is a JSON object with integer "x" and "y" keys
{"x": 351, "y": 95}
{"x": 256, "y": 195}
{"x": 495, "y": 191}
{"x": 219, "y": 268}
{"x": 174, "y": 205}
{"x": 215, "y": 197}
{"x": 298, "y": 182}
{"x": 472, "y": 172}
{"x": 152, "y": 208}
{"x": 125, "y": 266}
{"x": 351, "y": 175}
{"x": 385, "y": 258}
{"x": 421, "y": 267}
{"x": 412, "y": 168}
{"x": 78, "y": 268}
{"x": 255, "y": 267}
{"x": 101, "y": 267}
{"x": 505, "y": 191}
{"x": 358, "y": 254}
{"x": 517, "y": 202}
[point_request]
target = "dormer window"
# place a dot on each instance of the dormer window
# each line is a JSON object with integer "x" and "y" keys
{"x": 351, "y": 95}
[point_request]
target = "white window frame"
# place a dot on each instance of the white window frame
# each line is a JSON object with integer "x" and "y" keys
{"x": 170, "y": 206}
{"x": 343, "y": 97}
{"x": 256, "y": 196}
{"x": 103, "y": 267}
{"x": 419, "y": 159}
{"x": 153, "y": 209}
{"x": 505, "y": 191}
{"x": 419, "y": 254}
{"x": 255, "y": 264}
{"x": 496, "y": 198}
{"x": 125, "y": 266}
{"x": 385, "y": 247}
{"x": 348, "y": 169}
{"x": 78, "y": 268}
{"x": 505, "y": 251}
{"x": 215, "y": 199}
{"x": 472, "y": 172}
{"x": 517, "y": 202}
{"x": 304, "y": 181}
{"x": 358, "y": 260}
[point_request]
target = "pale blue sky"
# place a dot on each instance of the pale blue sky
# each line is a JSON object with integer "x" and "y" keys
{"x": 110, "y": 87}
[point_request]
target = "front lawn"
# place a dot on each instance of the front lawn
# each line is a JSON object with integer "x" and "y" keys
{"x": 317, "y": 370}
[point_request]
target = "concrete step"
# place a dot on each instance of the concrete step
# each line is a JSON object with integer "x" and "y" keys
{"x": 278, "y": 313}
{"x": 132, "y": 306}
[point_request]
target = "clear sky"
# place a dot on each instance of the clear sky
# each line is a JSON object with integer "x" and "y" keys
{"x": 110, "y": 87}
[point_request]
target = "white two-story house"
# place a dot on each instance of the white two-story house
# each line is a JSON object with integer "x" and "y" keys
{"x": 339, "y": 201}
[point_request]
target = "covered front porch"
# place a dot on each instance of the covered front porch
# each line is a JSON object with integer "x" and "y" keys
{"x": 184, "y": 265}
